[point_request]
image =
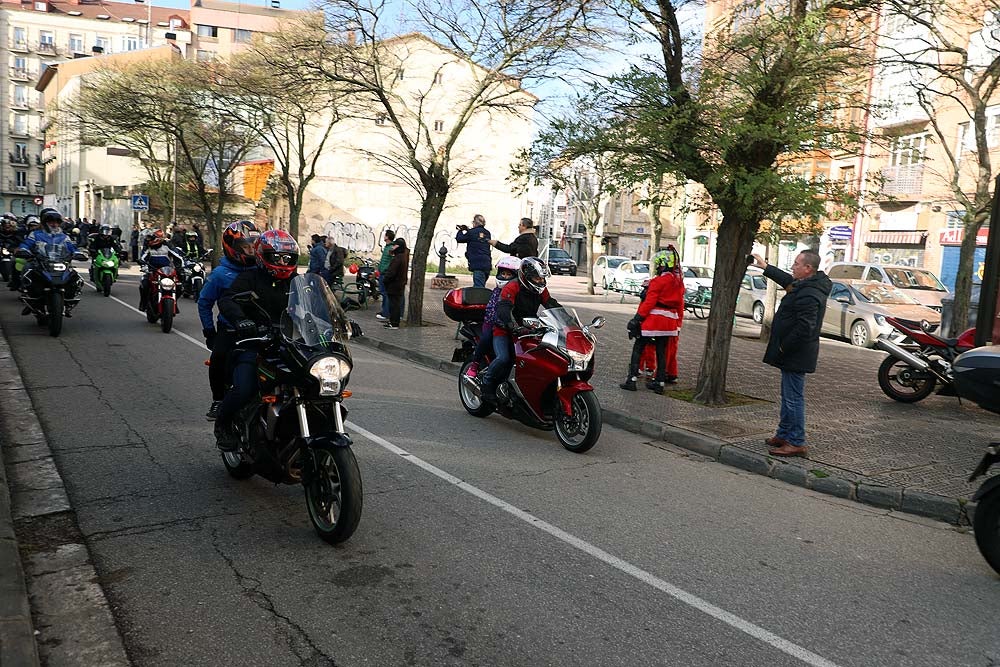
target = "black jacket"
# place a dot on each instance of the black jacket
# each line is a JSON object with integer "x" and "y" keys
{"x": 794, "y": 343}
{"x": 525, "y": 245}
{"x": 335, "y": 261}
{"x": 478, "y": 250}
{"x": 394, "y": 278}
{"x": 272, "y": 295}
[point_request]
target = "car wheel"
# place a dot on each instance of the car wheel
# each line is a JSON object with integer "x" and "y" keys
{"x": 860, "y": 335}
{"x": 572, "y": 274}
{"x": 758, "y": 312}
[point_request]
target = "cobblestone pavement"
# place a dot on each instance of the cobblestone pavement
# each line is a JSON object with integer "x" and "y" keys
{"x": 853, "y": 429}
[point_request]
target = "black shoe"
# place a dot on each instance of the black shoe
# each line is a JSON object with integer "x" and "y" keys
{"x": 67, "y": 314}
{"x": 213, "y": 411}
{"x": 671, "y": 379}
{"x": 629, "y": 385}
{"x": 225, "y": 439}
{"x": 26, "y": 311}
{"x": 655, "y": 386}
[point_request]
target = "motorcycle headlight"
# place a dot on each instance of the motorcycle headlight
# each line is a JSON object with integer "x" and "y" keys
{"x": 880, "y": 320}
{"x": 58, "y": 266}
{"x": 109, "y": 264}
{"x": 167, "y": 283}
{"x": 331, "y": 373}
{"x": 579, "y": 360}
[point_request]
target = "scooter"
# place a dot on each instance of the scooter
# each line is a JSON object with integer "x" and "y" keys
{"x": 912, "y": 369}
{"x": 104, "y": 270}
{"x": 548, "y": 387}
{"x": 977, "y": 378}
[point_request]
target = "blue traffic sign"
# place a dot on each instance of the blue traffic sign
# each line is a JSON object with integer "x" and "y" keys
{"x": 140, "y": 202}
{"x": 840, "y": 233}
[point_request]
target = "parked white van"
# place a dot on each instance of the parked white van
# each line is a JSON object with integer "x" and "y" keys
{"x": 920, "y": 284}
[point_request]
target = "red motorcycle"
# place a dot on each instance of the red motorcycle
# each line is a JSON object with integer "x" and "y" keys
{"x": 548, "y": 387}
{"x": 919, "y": 362}
{"x": 161, "y": 301}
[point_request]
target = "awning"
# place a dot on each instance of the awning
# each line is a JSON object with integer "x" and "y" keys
{"x": 895, "y": 238}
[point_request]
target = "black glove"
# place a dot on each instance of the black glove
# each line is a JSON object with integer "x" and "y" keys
{"x": 209, "y": 335}
{"x": 246, "y": 329}
{"x": 634, "y": 327}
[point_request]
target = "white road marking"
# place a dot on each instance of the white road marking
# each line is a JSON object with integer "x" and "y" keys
{"x": 183, "y": 335}
{"x": 730, "y": 619}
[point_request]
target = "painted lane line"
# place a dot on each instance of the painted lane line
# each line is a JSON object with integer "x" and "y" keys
{"x": 730, "y": 619}
{"x": 183, "y": 335}
{"x": 648, "y": 578}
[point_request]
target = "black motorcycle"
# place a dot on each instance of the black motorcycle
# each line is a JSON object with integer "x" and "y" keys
{"x": 50, "y": 286}
{"x": 367, "y": 280}
{"x": 194, "y": 275}
{"x": 977, "y": 378}
{"x": 295, "y": 433}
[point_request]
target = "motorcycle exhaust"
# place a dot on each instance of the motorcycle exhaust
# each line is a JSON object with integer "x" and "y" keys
{"x": 900, "y": 353}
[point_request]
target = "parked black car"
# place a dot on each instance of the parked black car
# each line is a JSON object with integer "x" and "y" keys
{"x": 560, "y": 262}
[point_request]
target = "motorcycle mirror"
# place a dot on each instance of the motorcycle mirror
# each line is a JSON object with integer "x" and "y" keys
{"x": 80, "y": 257}
{"x": 597, "y": 322}
{"x": 926, "y": 326}
{"x": 245, "y": 297}
{"x": 21, "y": 253}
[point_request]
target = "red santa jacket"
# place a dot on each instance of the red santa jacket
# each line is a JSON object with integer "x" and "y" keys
{"x": 663, "y": 308}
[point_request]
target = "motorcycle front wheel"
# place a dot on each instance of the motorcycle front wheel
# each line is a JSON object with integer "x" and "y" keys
{"x": 55, "y": 313}
{"x": 900, "y": 382}
{"x": 333, "y": 493}
{"x": 106, "y": 284}
{"x": 167, "y": 318}
{"x": 579, "y": 432}
{"x": 986, "y": 526}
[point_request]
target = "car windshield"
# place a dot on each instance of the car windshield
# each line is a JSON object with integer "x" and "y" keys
{"x": 759, "y": 282}
{"x": 640, "y": 267}
{"x": 882, "y": 294}
{"x": 914, "y": 279}
{"x": 614, "y": 262}
{"x": 556, "y": 253}
{"x": 313, "y": 317}
{"x": 698, "y": 272}
{"x": 57, "y": 251}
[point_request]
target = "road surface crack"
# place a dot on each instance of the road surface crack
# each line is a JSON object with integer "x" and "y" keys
{"x": 298, "y": 640}
{"x": 144, "y": 529}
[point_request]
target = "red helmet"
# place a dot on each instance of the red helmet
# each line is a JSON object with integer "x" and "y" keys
{"x": 156, "y": 240}
{"x": 237, "y": 242}
{"x": 277, "y": 253}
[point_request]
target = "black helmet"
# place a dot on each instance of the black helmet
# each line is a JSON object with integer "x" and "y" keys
{"x": 105, "y": 230}
{"x": 532, "y": 274}
{"x": 51, "y": 219}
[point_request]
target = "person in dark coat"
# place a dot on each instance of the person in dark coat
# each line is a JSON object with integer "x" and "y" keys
{"x": 477, "y": 250}
{"x": 525, "y": 245}
{"x": 395, "y": 281}
{"x": 794, "y": 344}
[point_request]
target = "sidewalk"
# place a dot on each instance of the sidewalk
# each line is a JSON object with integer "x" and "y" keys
{"x": 863, "y": 445}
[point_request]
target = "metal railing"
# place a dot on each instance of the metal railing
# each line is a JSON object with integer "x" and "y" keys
{"x": 18, "y": 130}
{"x": 13, "y": 187}
{"x": 903, "y": 179}
{"x": 20, "y": 74}
{"x": 18, "y": 158}
{"x": 48, "y": 49}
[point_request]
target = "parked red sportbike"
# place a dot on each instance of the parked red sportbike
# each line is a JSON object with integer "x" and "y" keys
{"x": 919, "y": 361}
{"x": 548, "y": 387}
{"x": 161, "y": 301}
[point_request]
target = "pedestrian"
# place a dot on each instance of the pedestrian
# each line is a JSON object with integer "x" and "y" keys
{"x": 83, "y": 237}
{"x": 525, "y": 245}
{"x": 383, "y": 265}
{"x": 477, "y": 250}
{"x": 317, "y": 254}
{"x": 133, "y": 242}
{"x": 658, "y": 322}
{"x": 794, "y": 344}
{"x": 395, "y": 281}
{"x": 334, "y": 264}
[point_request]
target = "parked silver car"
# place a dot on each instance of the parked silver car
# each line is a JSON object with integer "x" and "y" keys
{"x": 752, "y": 296}
{"x": 604, "y": 264}
{"x": 856, "y": 310}
{"x": 921, "y": 284}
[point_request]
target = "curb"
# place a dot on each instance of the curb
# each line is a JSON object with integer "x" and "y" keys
{"x": 941, "y": 508}
{"x": 46, "y": 574}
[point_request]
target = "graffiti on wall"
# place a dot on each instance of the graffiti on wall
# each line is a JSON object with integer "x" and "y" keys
{"x": 358, "y": 237}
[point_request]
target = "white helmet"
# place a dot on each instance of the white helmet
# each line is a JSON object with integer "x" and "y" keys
{"x": 507, "y": 270}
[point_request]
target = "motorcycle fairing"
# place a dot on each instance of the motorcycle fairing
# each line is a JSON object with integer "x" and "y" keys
{"x": 568, "y": 391}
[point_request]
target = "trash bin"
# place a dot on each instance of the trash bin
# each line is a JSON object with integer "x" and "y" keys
{"x": 947, "y": 313}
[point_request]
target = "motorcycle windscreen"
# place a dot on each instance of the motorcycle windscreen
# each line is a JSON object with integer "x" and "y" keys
{"x": 313, "y": 317}
{"x": 56, "y": 251}
{"x": 563, "y": 321}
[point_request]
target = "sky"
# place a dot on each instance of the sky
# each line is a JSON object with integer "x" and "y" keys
{"x": 285, "y": 4}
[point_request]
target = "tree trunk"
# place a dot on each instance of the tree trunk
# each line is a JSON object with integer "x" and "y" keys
{"x": 590, "y": 260}
{"x": 735, "y": 238}
{"x": 294, "y": 211}
{"x": 430, "y": 212}
{"x": 963, "y": 279}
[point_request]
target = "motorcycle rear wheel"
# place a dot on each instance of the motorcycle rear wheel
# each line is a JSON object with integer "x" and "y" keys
{"x": 986, "y": 526}
{"x": 106, "y": 284}
{"x": 579, "y": 432}
{"x": 472, "y": 403}
{"x": 55, "y": 313}
{"x": 167, "y": 318}
{"x": 334, "y": 494}
{"x": 905, "y": 390}
{"x": 236, "y": 466}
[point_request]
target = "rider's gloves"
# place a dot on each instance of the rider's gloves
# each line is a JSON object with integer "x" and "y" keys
{"x": 634, "y": 327}
{"x": 246, "y": 329}
{"x": 209, "y": 335}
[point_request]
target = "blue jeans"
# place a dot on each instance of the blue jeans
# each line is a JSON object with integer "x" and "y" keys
{"x": 385, "y": 297}
{"x": 244, "y": 365}
{"x": 485, "y": 343}
{"x": 793, "y": 408}
{"x": 502, "y": 359}
{"x": 479, "y": 277}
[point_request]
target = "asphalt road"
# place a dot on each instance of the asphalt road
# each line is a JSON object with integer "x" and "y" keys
{"x": 482, "y": 542}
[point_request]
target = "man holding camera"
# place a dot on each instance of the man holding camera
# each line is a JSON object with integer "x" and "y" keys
{"x": 477, "y": 250}
{"x": 794, "y": 344}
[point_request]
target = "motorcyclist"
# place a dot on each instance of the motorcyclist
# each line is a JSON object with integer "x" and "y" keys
{"x": 238, "y": 257}
{"x": 9, "y": 238}
{"x": 276, "y": 254}
{"x": 51, "y": 232}
{"x": 519, "y": 299}
{"x": 191, "y": 245}
{"x": 157, "y": 255}
{"x": 102, "y": 240}
{"x": 507, "y": 269}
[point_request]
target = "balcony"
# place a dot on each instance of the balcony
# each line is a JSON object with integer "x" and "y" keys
{"x": 38, "y": 189}
{"x": 20, "y": 46}
{"x": 907, "y": 179}
{"x": 18, "y": 159}
{"x": 19, "y": 103}
{"x": 14, "y": 187}
{"x": 19, "y": 74}
{"x": 47, "y": 49}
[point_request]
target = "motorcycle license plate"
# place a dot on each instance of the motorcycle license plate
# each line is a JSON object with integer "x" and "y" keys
{"x": 989, "y": 458}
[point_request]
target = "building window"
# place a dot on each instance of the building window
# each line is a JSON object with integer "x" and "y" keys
{"x": 20, "y": 125}
{"x": 175, "y": 23}
{"x": 208, "y": 31}
{"x": 130, "y": 43}
{"x": 439, "y": 126}
{"x": 20, "y": 96}
{"x": 104, "y": 44}
{"x": 41, "y": 6}
{"x": 46, "y": 37}
{"x": 242, "y": 36}
{"x": 21, "y": 152}
{"x": 76, "y": 43}
{"x": 21, "y": 179}
{"x": 380, "y": 119}
{"x": 908, "y": 150}
{"x": 20, "y": 37}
